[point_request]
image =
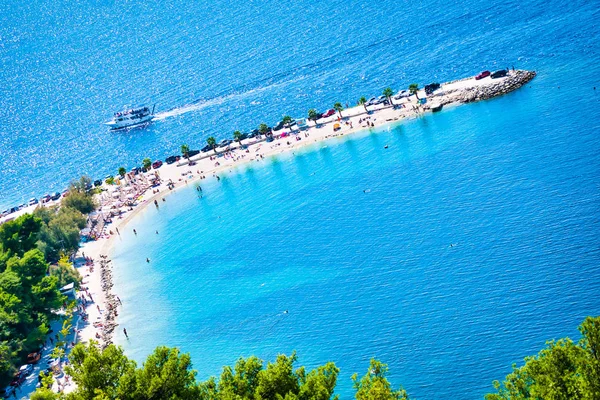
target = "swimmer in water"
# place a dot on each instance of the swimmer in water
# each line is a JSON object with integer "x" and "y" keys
{"x": 147, "y": 260}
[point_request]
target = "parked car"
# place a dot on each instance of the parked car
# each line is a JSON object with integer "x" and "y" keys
{"x": 279, "y": 126}
{"x": 171, "y": 159}
{"x": 381, "y": 100}
{"x": 328, "y": 113}
{"x": 432, "y": 87}
{"x": 254, "y": 133}
{"x": 482, "y": 75}
{"x": 402, "y": 94}
{"x": 65, "y": 193}
{"x": 499, "y": 74}
{"x": 45, "y": 198}
{"x": 225, "y": 142}
{"x": 193, "y": 153}
{"x": 32, "y": 201}
{"x": 157, "y": 164}
{"x": 206, "y": 148}
{"x": 136, "y": 170}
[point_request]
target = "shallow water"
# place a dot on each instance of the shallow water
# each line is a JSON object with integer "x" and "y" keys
{"x": 450, "y": 255}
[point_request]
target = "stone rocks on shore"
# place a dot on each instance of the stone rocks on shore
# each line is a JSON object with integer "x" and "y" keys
{"x": 513, "y": 81}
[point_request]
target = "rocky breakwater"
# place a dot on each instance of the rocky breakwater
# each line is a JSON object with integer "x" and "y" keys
{"x": 513, "y": 81}
{"x": 111, "y": 302}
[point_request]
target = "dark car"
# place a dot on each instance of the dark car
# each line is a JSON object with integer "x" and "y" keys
{"x": 97, "y": 182}
{"x": 45, "y": 198}
{"x": 206, "y": 148}
{"x": 171, "y": 159}
{"x": 254, "y": 133}
{"x": 482, "y": 75}
{"x": 279, "y": 126}
{"x": 225, "y": 142}
{"x": 328, "y": 113}
{"x": 499, "y": 74}
{"x": 432, "y": 87}
{"x": 381, "y": 100}
{"x": 136, "y": 170}
{"x": 157, "y": 164}
{"x": 193, "y": 153}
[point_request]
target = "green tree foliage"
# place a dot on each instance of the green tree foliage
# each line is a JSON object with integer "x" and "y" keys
{"x": 375, "y": 386}
{"x": 65, "y": 272}
{"x": 212, "y": 142}
{"x": 339, "y": 108}
{"x": 263, "y": 129}
{"x": 286, "y": 120}
{"x": 19, "y": 235}
{"x": 413, "y": 88}
{"x": 388, "y": 92}
{"x": 168, "y": 374}
{"x": 60, "y": 229}
{"x": 563, "y": 370}
{"x": 147, "y": 164}
{"x": 29, "y": 292}
{"x": 122, "y": 172}
{"x": 363, "y": 101}
{"x": 313, "y": 115}
{"x": 185, "y": 151}
{"x": 237, "y": 136}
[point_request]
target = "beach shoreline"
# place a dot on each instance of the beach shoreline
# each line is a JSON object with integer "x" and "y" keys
{"x": 210, "y": 165}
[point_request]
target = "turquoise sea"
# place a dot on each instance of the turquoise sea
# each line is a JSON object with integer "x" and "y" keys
{"x": 453, "y": 253}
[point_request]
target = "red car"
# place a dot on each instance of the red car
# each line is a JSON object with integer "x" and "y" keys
{"x": 157, "y": 164}
{"x": 329, "y": 113}
{"x": 482, "y": 75}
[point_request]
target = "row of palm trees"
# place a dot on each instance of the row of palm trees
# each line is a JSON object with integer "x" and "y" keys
{"x": 263, "y": 129}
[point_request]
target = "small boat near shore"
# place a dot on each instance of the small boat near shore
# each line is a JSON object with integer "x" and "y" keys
{"x": 437, "y": 108}
{"x": 139, "y": 117}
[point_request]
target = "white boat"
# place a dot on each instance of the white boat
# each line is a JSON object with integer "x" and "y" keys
{"x": 134, "y": 118}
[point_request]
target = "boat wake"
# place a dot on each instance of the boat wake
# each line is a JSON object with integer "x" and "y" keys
{"x": 200, "y": 104}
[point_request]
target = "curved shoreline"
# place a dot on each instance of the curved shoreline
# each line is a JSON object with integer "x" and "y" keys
{"x": 452, "y": 94}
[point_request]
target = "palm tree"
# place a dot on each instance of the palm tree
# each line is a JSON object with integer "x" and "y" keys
{"x": 313, "y": 115}
{"x": 237, "y": 136}
{"x": 286, "y": 120}
{"x": 263, "y": 129}
{"x": 363, "y": 101}
{"x": 185, "y": 151}
{"x": 147, "y": 163}
{"x": 338, "y": 107}
{"x": 122, "y": 172}
{"x": 413, "y": 88}
{"x": 388, "y": 92}
{"x": 212, "y": 142}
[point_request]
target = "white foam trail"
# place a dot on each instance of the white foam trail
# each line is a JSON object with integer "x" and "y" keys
{"x": 219, "y": 100}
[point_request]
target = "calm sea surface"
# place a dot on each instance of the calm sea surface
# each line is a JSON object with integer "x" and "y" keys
{"x": 450, "y": 255}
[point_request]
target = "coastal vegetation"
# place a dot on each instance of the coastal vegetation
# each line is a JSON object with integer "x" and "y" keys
{"x": 168, "y": 374}
{"x": 29, "y": 285}
{"x": 563, "y": 370}
{"x": 212, "y": 142}
{"x": 388, "y": 93}
{"x": 122, "y": 172}
{"x": 237, "y": 136}
{"x": 363, "y": 101}
{"x": 313, "y": 115}
{"x": 263, "y": 129}
{"x": 413, "y": 88}
{"x": 339, "y": 108}
{"x": 185, "y": 151}
{"x": 147, "y": 163}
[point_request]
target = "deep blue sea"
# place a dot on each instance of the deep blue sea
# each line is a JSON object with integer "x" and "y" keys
{"x": 456, "y": 251}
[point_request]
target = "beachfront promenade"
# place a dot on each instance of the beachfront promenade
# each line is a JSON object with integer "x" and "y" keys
{"x": 120, "y": 203}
